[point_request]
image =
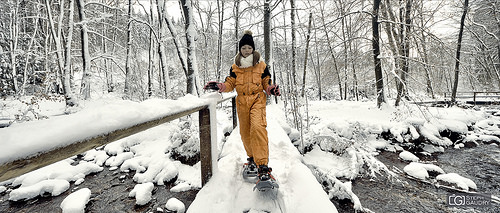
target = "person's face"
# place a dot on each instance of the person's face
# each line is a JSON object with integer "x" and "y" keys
{"x": 246, "y": 50}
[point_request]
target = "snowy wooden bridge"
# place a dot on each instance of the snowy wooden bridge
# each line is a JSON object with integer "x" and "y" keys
{"x": 472, "y": 98}
{"x": 18, "y": 158}
{"x": 223, "y": 187}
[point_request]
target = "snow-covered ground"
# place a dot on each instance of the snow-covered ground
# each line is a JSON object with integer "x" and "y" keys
{"x": 342, "y": 138}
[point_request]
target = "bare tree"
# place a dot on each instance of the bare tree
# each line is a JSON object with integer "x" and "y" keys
{"x": 67, "y": 63}
{"x": 162, "y": 19}
{"x": 405, "y": 34}
{"x": 308, "y": 39}
{"x": 56, "y": 34}
{"x": 190, "y": 31}
{"x": 220, "y": 11}
{"x": 128, "y": 71}
{"x": 329, "y": 43}
{"x": 85, "y": 86}
{"x": 14, "y": 31}
{"x": 459, "y": 46}
{"x": 294, "y": 43}
{"x": 376, "y": 53}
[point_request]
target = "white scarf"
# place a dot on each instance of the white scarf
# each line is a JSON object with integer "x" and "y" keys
{"x": 247, "y": 62}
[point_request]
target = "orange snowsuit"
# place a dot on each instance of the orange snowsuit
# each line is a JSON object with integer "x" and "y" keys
{"x": 250, "y": 84}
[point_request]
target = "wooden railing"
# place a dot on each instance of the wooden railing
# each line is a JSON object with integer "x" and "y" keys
{"x": 474, "y": 95}
{"x": 208, "y": 152}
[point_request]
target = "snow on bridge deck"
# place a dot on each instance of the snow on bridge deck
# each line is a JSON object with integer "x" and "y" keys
{"x": 227, "y": 191}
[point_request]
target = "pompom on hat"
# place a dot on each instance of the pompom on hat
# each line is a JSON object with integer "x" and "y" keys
{"x": 247, "y": 39}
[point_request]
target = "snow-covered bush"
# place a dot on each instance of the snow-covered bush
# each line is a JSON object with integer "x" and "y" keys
{"x": 185, "y": 143}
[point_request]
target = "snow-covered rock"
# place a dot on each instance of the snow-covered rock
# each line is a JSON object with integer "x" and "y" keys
{"x": 408, "y": 156}
{"x": 454, "y": 178}
{"x": 175, "y": 205}
{"x": 54, "y": 187}
{"x": 76, "y": 201}
{"x": 98, "y": 157}
{"x": 3, "y": 189}
{"x": 119, "y": 159}
{"x": 142, "y": 193}
{"x": 181, "y": 187}
{"x": 416, "y": 170}
{"x": 420, "y": 170}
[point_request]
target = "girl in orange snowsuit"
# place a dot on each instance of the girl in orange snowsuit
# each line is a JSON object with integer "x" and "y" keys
{"x": 250, "y": 77}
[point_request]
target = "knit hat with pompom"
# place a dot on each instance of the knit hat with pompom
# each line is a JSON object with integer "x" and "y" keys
{"x": 247, "y": 39}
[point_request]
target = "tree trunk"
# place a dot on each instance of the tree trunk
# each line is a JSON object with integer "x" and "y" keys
{"x": 236, "y": 23}
{"x": 267, "y": 32}
{"x": 70, "y": 97}
{"x": 162, "y": 18}
{"x": 318, "y": 66}
{"x": 294, "y": 44}
{"x": 177, "y": 45}
{"x": 220, "y": 11}
{"x": 192, "y": 71}
{"x": 306, "y": 54}
{"x": 85, "y": 86}
{"x": 128, "y": 71}
{"x": 56, "y": 35}
{"x": 395, "y": 40}
{"x": 346, "y": 54}
{"x": 379, "y": 81}
{"x": 151, "y": 50}
{"x": 427, "y": 67}
{"x": 459, "y": 46}
{"x": 405, "y": 32}
{"x": 30, "y": 45}
{"x": 14, "y": 33}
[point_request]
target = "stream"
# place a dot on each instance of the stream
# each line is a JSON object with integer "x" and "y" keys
{"x": 402, "y": 194}
{"x": 110, "y": 191}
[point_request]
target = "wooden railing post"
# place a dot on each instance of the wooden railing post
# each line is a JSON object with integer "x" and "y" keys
{"x": 475, "y": 98}
{"x": 205, "y": 146}
{"x": 235, "y": 120}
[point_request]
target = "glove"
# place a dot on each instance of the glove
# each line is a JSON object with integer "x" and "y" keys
{"x": 214, "y": 85}
{"x": 273, "y": 90}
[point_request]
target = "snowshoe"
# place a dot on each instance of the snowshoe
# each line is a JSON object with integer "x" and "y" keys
{"x": 266, "y": 180}
{"x": 250, "y": 171}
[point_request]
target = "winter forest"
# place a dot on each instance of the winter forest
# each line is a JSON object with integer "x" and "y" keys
{"x": 317, "y": 49}
{"x": 349, "y": 72}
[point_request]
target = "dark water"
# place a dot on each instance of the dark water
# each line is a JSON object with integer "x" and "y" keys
{"x": 402, "y": 194}
{"x": 109, "y": 194}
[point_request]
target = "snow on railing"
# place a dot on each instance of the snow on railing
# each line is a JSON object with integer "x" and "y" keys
{"x": 16, "y": 160}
